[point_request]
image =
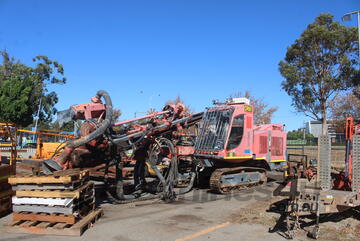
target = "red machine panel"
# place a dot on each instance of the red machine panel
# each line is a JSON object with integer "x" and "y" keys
{"x": 228, "y": 134}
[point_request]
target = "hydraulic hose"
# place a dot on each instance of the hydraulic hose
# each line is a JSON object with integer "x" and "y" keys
{"x": 120, "y": 186}
{"x": 168, "y": 180}
{"x": 122, "y": 198}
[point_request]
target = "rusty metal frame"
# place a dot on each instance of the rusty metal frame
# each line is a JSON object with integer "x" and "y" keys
{"x": 11, "y": 130}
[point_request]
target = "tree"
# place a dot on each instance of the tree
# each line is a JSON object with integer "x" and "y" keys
{"x": 179, "y": 100}
{"x": 318, "y": 65}
{"x": 116, "y": 114}
{"x": 22, "y": 88}
{"x": 68, "y": 126}
{"x": 299, "y": 135}
{"x": 262, "y": 112}
{"x": 343, "y": 106}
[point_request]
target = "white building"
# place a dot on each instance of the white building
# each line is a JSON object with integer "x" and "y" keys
{"x": 314, "y": 127}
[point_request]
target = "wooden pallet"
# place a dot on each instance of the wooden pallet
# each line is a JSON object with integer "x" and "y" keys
{"x": 54, "y": 217}
{"x": 51, "y": 186}
{"x": 61, "y": 177}
{"x": 56, "y": 193}
{"x": 80, "y": 207}
{"x": 72, "y": 172}
{"x": 44, "y": 217}
{"x": 54, "y": 228}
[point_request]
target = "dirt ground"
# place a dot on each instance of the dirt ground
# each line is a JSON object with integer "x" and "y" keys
{"x": 201, "y": 215}
{"x": 337, "y": 227}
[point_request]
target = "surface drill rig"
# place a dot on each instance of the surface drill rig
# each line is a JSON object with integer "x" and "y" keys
{"x": 173, "y": 147}
{"x": 234, "y": 152}
{"x": 160, "y": 144}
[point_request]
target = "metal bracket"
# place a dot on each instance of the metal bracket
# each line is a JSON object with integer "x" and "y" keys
{"x": 356, "y": 164}
{"x": 325, "y": 162}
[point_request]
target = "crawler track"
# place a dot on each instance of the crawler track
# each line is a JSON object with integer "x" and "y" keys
{"x": 217, "y": 186}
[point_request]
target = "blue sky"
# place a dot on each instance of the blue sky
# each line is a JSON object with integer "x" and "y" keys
{"x": 147, "y": 52}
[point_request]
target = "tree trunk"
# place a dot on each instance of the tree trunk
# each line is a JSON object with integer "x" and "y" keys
{"x": 324, "y": 124}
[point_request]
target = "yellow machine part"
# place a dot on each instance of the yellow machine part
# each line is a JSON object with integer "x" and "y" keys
{"x": 151, "y": 171}
{"x": 47, "y": 149}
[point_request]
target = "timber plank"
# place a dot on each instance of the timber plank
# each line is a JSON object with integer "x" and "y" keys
{"x": 47, "y": 209}
{"x": 60, "y": 225}
{"x": 44, "y": 224}
{"x": 55, "y": 193}
{"x": 63, "y": 177}
{"x": 72, "y": 172}
{"x": 39, "y": 179}
{"x": 50, "y": 202}
{"x": 51, "y": 186}
{"x": 44, "y": 218}
{"x": 85, "y": 223}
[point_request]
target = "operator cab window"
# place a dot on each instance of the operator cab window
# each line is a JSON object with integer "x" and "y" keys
{"x": 237, "y": 131}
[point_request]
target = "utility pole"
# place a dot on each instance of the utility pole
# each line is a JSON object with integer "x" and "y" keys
{"x": 37, "y": 116}
{"x": 304, "y": 141}
{"x": 348, "y": 17}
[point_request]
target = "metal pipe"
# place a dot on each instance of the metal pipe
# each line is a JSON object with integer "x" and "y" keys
{"x": 125, "y": 137}
{"x": 347, "y": 158}
{"x": 141, "y": 118}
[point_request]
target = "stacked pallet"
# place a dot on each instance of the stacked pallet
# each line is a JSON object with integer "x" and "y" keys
{"x": 62, "y": 203}
{"x": 5, "y": 189}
